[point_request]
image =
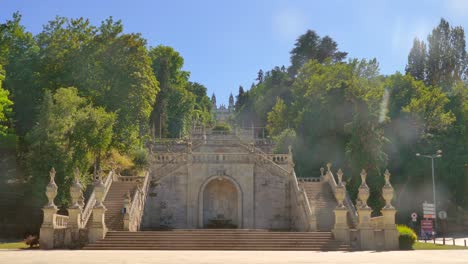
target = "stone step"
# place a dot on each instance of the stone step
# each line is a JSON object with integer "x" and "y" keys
{"x": 218, "y": 239}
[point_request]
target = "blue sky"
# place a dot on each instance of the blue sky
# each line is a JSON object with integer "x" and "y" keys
{"x": 225, "y": 43}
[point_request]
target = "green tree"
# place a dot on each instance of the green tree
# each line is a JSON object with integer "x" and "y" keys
{"x": 277, "y": 118}
{"x": 70, "y": 134}
{"x": 417, "y": 60}
{"x": 167, "y": 67}
{"x": 19, "y": 56}
{"x": 310, "y": 46}
{"x": 5, "y": 105}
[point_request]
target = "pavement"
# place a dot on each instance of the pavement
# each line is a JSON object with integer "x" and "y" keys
{"x": 229, "y": 257}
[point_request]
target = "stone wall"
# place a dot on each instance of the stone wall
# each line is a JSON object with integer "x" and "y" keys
{"x": 271, "y": 200}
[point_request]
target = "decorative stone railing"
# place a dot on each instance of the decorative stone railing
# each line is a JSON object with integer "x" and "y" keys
{"x": 88, "y": 209}
{"x": 121, "y": 178}
{"x": 278, "y": 158}
{"x": 347, "y": 202}
{"x": 224, "y": 158}
{"x": 309, "y": 179}
{"x": 168, "y": 158}
{"x": 60, "y": 221}
{"x": 135, "y": 212}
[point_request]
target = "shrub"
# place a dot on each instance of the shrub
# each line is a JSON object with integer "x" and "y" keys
{"x": 284, "y": 140}
{"x": 407, "y": 237}
{"x": 31, "y": 241}
{"x": 140, "y": 159}
{"x": 222, "y": 128}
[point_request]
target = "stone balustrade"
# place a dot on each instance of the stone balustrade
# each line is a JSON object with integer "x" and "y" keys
{"x": 60, "y": 221}
{"x": 372, "y": 233}
{"x": 134, "y": 214}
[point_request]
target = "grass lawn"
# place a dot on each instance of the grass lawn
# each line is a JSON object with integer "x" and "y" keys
{"x": 432, "y": 246}
{"x": 13, "y": 245}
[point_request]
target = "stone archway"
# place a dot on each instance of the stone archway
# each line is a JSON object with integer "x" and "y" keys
{"x": 220, "y": 198}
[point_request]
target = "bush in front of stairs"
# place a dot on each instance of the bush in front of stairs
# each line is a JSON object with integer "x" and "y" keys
{"x": 407, "y": 237}
{"x": 141, "y": 159}
{"x": 222, "y": 127}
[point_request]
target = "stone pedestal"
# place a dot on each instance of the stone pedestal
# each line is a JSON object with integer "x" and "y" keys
{"x": 46, "y": 237}
{"x": 98, "y": 228}
{"x": 366, "y": 233}
{"x": 341, "y": 229}
{"x": 390, "y": 231}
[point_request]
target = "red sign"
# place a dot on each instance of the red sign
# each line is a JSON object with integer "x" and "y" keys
{"x": 426, "y": 225}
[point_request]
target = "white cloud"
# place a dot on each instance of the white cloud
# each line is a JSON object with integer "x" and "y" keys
{"x": 289, "y": 23}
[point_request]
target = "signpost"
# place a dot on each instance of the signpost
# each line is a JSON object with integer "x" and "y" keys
{"x": 426, "y": 228}
{"x": 429, "y": 211}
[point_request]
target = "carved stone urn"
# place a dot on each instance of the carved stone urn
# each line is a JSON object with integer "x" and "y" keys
{"x": 387, "y": 191}
{"x": 51, "y": 190}
{"x": 76, "y": 190}
{"x": 364, "y": 191}
{"x": 340, "y": 191}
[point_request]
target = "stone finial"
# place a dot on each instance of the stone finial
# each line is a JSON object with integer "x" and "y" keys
{"x": 387, "y": 178}
{"x": 363, "y": 177}
{"x": 52, "y": 176}
{"x": 76, "y": 190}
{"x": 51, "y": 189}
{"x": 340, "y": 177}
{"x": 364, "y": 191}
{"x": 387, "y": 191}
{"x": 189, "y": 146}
{"x": 340, "y": 190}
{"x": 290, "y": 150}
{"x": 329, "y": 167}
{"x": 322, "y": 171}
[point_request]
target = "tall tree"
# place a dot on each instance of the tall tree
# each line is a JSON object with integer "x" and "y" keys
{"x": 417, "y": 60}
{"x": 310, "y": 46}
{"x": 447, "y": 61}
{"x": 19, "y": 56}
{"x": 5, "y": 105}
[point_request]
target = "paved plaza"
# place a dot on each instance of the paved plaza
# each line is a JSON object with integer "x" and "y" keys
{"x": 230, "y": 257}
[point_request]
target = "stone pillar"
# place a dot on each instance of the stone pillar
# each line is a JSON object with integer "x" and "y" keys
{"x": 341, "y": 229}
{"x": 46, "y": 235}
{"x": 75, "y": 210}
{"x": 290, "y": 159}
{"x": 98, "y": 228}
{"x": 126, "y": 217}
{"x": 388, "y": 213}
{"x": 366, "y": 233}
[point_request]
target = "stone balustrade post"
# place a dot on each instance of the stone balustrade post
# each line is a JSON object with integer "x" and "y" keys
{"x": 366, "y": 233}
{"x": 75, "y": 210}
{"x": 98, "y": 228}
{"x": 388, "y": 213}
{"x": 341, "y": 228}
{"x": 46, "y": 235}
{"x": 126, "y": 217}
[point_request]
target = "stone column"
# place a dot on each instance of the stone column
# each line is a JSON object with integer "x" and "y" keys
{"x": 366, "y": 233}
{"x": 98, "y": 228}
{"x": 388, "y": 213}
{"x": 46, "y": 235}
{"x": 341, "y": 229}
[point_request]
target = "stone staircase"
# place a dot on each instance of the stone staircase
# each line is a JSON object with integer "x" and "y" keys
{"x": 218, "y": 239}
{"x": 322, "y": 199}
{"x": 114, "y": 202}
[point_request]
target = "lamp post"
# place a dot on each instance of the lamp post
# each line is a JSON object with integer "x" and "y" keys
{"x": 438, "y": 154}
